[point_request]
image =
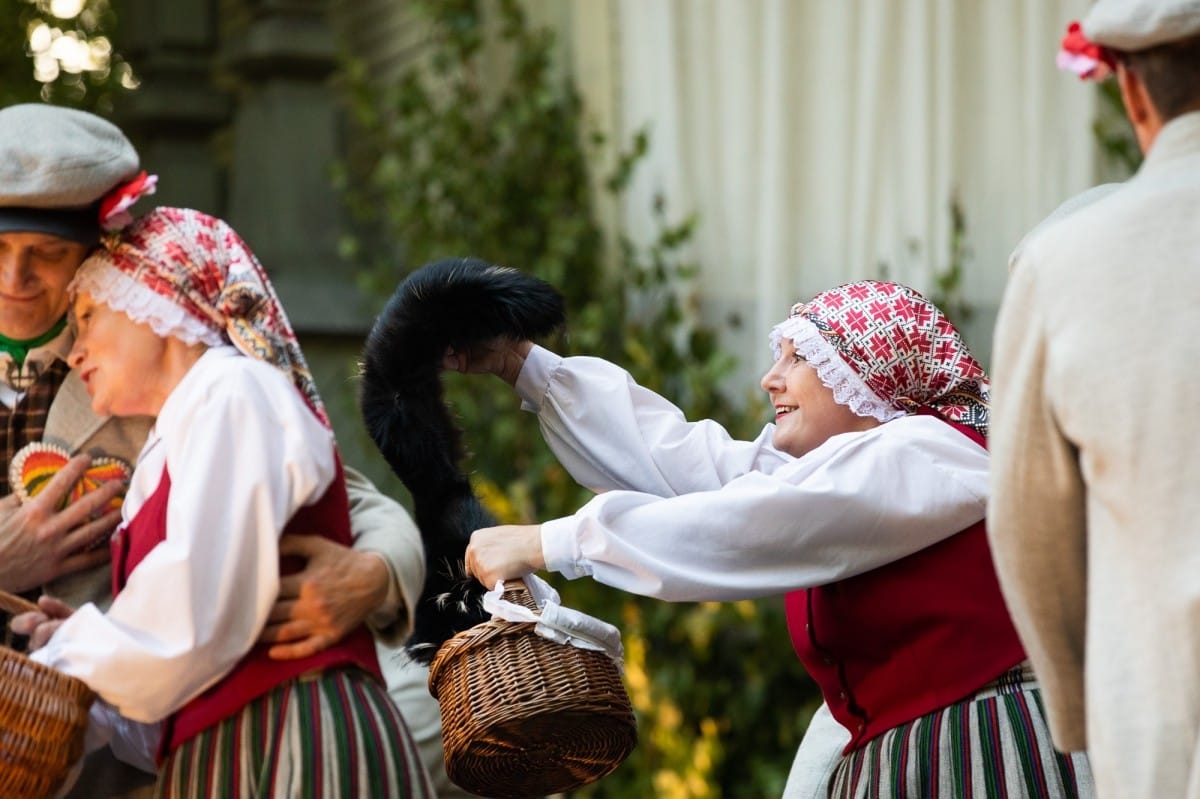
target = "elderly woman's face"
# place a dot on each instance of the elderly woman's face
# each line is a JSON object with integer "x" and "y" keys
{"x": 806, "y": 414}
{"x": 120, "y": 360}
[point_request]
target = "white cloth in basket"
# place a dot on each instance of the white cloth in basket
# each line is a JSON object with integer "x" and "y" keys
{"x": 556, "y": 623}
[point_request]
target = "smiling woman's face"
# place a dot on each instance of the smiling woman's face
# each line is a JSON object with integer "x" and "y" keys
{"x": 121, "y": 361}
{"x": 806, "y": 414}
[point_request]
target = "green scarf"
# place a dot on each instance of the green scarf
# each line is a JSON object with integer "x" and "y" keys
{"x": 18, "y": 349}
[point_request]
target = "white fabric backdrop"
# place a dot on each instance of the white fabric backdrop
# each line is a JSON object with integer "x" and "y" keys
{"x": 820, "y": 139}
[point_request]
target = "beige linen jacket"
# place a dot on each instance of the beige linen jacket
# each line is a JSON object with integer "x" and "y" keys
{"x": 1096, "y": 471}
{"x": 379, "y": 523}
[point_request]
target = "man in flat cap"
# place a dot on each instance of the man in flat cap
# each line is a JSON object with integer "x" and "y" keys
{"x": 60, "y": 170}
{"x": 1096, "y": 468}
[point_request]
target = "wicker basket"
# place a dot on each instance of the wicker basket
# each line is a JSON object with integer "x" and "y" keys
{"x": 523, "y": 716}
{"x": 43, "y": 718}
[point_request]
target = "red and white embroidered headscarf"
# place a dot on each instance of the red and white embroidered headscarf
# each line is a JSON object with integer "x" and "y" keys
{"x": 885, "y": 351}
{"x": 191, "y": 276}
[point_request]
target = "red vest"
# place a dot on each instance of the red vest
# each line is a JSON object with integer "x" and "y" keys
{"x": 255, "y": 674}
{"x": 907, "y": 638}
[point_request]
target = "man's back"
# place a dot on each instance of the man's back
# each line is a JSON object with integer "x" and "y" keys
{"x": 1110, "y": 298}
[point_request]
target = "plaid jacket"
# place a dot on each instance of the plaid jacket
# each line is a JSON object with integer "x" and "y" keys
{"x": 26, "y": 421}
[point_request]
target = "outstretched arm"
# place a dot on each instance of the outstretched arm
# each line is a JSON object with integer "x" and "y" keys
{"x": 611, "y": 433}
{"x": 809, "y": 524}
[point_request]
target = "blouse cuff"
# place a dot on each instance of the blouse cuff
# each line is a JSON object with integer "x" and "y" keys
{"x": 560, "y": 548}
{"x": 533, "y": 383}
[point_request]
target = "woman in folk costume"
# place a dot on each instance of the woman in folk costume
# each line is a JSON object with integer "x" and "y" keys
{"x": 177, "y": 319}
{"x": 863, "y": 502}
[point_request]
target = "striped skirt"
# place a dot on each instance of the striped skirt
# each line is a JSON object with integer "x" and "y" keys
{"x": 994, "y": 745}
{"x": 336, "y": 735}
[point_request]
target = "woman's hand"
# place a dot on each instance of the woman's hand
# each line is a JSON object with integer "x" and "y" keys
{"x": 502, "y": 357}
{"x": 40, "y": 624}
{"x": 505, "y": 552}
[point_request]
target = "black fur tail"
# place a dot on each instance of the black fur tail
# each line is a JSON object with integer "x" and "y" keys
{"x": 455, "y": 302}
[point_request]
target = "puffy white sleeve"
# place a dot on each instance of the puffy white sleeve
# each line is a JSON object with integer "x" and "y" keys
{"x": 244, "y": 454}
{"x": 857, "y": 502}
{"x": 611, "y": 433}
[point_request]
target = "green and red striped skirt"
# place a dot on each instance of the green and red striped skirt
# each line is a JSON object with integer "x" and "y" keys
{"x": 993, "y": 745}
{"x": 334, "y": 735}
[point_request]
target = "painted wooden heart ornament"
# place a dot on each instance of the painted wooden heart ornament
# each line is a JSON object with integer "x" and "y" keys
{"x": 35, "y": 464}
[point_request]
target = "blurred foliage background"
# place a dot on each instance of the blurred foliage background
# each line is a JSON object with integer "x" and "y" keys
{"x": 60, "y": 51}
{"x": 1113, "y": 133}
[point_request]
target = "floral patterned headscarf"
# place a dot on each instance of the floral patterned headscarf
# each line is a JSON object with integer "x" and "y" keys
{"x": 189, "y": 275}
{"x": 885, "y": 352}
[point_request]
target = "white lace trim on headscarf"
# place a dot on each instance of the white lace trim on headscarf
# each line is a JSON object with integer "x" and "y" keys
{"x": 837, "y": 375}
{"x": 112, "y": 287}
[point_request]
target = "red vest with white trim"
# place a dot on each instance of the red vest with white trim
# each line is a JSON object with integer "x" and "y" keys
{"x": 907, "y": 638}
{"x": 255, "y": 674}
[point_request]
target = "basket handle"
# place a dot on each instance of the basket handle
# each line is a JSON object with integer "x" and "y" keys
{"x": 16, "y": 604}
{"x": 516, "y": 592}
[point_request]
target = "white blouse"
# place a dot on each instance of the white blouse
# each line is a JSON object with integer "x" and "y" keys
{"x": 244, "y": 453}
{"x": 687, "y": 513}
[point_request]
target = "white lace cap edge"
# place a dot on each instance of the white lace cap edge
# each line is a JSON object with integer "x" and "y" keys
{"x": 837, "y": 375}
{"x": 119, "y": 291}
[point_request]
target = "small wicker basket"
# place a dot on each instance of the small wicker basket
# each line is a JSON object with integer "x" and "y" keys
{"x": 523, "y": 716}
{"x": 43, "y": 718}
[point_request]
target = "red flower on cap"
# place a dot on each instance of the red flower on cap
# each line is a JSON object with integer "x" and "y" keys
{"x": 114, "y": 208}
{"x": 1085, "y": 58}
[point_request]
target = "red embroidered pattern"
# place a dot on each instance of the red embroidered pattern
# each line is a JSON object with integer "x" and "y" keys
{"x": 202, "y": 265}
{"x": 905, "y": 350}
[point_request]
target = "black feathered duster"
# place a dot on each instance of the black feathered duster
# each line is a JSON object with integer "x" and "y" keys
{"x": 453, "y": 303}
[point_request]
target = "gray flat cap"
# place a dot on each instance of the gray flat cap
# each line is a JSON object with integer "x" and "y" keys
{"x": 1133, "y": 25}
{"x": 55, "y": 165}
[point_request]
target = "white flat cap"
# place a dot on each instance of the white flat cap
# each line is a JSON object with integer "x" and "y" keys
{"x": 55, "y": 165}
{"x": 1132, "y": 25}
